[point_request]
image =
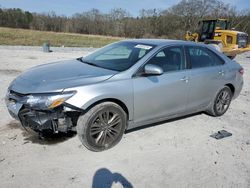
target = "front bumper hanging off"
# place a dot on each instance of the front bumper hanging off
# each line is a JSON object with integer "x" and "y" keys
{"x": 60, "y": 119}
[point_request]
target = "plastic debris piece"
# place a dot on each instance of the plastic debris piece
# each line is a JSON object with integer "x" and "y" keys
{"x": 221, "y": 134}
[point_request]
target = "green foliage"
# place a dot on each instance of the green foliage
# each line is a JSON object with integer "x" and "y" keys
{"x": 15, "y": 18}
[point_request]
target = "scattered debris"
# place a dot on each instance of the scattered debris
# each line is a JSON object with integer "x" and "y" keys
{"x": 72, "y": 179}
{"x": 10, "y": 72}
{"x": 221, "y": 134}
{"x": 26, "y": 142}
{"x": 13, "y": 137}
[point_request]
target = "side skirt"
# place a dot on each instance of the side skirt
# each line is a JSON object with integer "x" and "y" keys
{"x": 132, "y": 124}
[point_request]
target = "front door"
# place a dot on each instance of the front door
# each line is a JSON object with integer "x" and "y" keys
{"x": 162, "y": 95}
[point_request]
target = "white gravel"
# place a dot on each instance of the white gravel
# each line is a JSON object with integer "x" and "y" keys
{"x": 177, "y": 153}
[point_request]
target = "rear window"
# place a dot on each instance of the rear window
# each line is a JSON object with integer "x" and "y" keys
{"x": 202, "y": 57}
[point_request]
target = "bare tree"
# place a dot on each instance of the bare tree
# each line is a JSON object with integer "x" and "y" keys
{"x": 169, "y": 23}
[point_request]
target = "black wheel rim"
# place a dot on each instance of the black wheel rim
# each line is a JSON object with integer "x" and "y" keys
{"x": 105, "y": 128}
{"x": 223, "y": 101}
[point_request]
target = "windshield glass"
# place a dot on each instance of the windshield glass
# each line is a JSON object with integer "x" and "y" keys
{"x": 221, "y": 24}
{"x": 118, "y": 56}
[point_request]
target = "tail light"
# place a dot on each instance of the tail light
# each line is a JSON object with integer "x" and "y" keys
{"x": 241, "y": 71}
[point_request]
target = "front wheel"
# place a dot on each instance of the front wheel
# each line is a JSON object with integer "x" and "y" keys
{"x": 102, "y": 127}
{"x": 221, "y": 102}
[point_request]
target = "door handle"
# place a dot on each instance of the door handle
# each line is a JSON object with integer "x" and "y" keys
{"x": 185, "y": 79}
{"x": 221, "y": 72}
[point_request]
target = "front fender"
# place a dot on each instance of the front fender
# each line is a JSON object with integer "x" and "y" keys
{"x": 87, "y": 95}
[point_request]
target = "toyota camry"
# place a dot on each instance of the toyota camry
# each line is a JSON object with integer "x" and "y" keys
{"x": 122, "y": 86}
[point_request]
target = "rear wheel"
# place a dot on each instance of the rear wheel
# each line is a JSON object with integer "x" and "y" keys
{"x": 221, "y": 102}
{"x": 102, "y": 127}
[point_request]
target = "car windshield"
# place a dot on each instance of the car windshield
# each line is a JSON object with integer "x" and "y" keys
{"x": 118, "y": 56}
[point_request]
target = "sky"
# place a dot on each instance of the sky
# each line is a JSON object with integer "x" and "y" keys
{"x": 69, "y": 7}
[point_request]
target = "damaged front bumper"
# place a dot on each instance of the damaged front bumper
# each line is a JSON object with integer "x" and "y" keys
{"x": 60, "y": 119}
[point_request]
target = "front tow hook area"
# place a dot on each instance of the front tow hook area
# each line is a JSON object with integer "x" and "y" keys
{"x": 36, "y": 120}
{"x": 49, "y": 122}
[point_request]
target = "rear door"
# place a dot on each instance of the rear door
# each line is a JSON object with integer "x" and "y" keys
{"x": 206, "y": 76}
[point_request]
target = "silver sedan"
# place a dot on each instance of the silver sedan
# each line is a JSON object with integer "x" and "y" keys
{"x": 122, "y": 86}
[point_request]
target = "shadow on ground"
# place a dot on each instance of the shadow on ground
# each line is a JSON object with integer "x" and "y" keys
{"x": 13, "y": 125}
{"x": 104, "y": 178}
{"x": 51, "y": 139}
{"x": 48, "y": 139}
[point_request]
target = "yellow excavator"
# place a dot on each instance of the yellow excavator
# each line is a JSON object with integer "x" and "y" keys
{"x": 217, "y": 32}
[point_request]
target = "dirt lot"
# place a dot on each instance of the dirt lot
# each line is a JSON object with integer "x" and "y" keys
{"x": 177, "y": 153}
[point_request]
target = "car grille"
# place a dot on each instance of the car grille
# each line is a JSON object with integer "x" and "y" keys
{"x": 242, "y": 39}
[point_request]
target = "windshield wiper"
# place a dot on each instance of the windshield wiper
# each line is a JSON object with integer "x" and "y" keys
{"x": 87, "y": 62}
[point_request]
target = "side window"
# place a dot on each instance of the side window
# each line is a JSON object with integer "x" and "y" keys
{"x": 216, "y": 59}
{"x": 169, "y": 59}
{"x": 202, "y": 57}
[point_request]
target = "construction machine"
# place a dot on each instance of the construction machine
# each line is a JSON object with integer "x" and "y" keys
{"x": 217, "y": 32}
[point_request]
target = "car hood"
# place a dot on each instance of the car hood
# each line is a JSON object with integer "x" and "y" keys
{"x": 55, "y": 77}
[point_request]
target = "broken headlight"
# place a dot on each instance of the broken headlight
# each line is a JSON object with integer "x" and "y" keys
{"x": 47, "y": 101}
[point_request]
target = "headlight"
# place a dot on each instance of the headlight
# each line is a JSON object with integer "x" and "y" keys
{"x": 47, "y": 101}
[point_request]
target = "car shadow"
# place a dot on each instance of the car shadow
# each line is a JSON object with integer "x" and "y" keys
{"x": 162, "y": 122}
{"x": 104, "y": 178}
{"x": 48, "y": 139}
{"x": 33, "y": 137}
{"x": 52, "y": 139}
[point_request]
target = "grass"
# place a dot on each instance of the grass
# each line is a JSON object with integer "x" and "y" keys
{"x": 25, "y": 37}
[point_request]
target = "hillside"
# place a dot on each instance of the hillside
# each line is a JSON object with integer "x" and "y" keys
{"x": 26, "y": 37}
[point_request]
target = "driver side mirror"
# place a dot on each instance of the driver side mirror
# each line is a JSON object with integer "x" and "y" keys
{"x": 151, "y": 69}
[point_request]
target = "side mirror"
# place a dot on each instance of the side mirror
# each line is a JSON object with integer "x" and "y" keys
{"x": 151, "y": 69}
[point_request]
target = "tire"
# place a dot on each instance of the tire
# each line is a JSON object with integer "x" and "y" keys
{"x": 102, "y": 127}
{"x": 221, "y": 102}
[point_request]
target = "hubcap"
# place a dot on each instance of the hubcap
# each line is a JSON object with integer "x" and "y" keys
{"x": 105, "y": 128}
{"x": 223, "y": 101}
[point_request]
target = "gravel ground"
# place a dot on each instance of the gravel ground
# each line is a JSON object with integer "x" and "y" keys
{"x": 177, "y": 153}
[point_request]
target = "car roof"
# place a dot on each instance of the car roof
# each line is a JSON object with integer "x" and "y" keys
{"x": 160, "y": 42}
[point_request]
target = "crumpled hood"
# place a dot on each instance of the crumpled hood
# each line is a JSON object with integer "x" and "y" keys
{"x": 58, "y": 76}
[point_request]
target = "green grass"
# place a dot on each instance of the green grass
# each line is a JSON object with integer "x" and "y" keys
{"x": 10, "y": 36}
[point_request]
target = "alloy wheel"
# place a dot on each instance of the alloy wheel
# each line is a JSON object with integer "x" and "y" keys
{"x": 105, "y": 128}
{"x": 223, "y": 101}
